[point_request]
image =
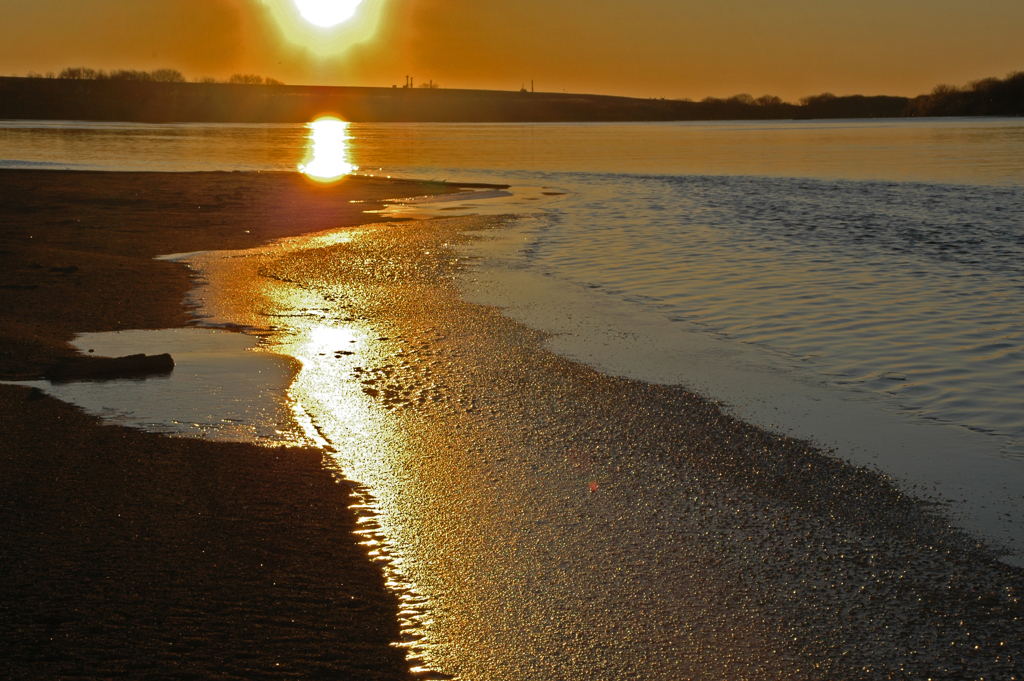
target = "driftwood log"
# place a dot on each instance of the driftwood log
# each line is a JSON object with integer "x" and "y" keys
{"x": 107, "y": 368}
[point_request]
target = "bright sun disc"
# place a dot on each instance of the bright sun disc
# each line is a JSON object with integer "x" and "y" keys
{"x": 327, "y": 13}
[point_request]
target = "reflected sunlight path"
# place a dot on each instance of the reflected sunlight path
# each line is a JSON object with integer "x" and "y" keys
{"x": 327, "y": 151}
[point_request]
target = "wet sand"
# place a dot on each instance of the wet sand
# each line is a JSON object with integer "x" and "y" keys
{"x": 129, "y": 554}
{"x": 558, "y": 523}
{"x": 78, "y": 247}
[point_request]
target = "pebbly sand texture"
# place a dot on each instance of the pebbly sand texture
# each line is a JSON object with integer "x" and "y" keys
{"x": 706, "y": 548}
{"x": 129, "y": 554}
{"x": 573, "y": 525}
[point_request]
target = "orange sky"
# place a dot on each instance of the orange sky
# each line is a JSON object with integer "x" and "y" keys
{"x": 646, "y": 48}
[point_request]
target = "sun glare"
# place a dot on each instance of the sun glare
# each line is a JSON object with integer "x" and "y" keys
{"x": 326, "y": 29}
{"x": 327, "y": 13}
{"x": 327, "y": 159}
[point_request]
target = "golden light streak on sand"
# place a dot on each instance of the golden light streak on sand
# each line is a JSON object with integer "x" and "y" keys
{"x": 327, "y": 157}
{"x": 360, "y": 439}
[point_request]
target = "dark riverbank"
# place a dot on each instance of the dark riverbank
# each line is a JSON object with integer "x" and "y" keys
{"x": 160, "y": 102}
{"x": 152, "y": 102}
{"x": 130, "y": 554}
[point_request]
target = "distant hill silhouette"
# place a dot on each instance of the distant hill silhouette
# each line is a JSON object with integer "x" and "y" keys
{"x": 171, "y": 101}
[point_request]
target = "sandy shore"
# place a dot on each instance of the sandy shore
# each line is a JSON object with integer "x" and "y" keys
{"x": 565, "y": 524}
{"x": 78, "y": 248}
{"x": 129, "y": 554}
{"x": 707, "y": 548}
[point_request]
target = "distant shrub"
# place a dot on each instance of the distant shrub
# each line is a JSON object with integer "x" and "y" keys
{"x": 742, "y": 100}
{"x": 768, "y": 100}
{"x": 204, "y": 79}
{"x": 983, "y": 84}
{"x": 80, "y": 73}
{"x": 122, "y": 74}
{"x": 168, "y": 76}
{"x": 246, "y": 79}
{"x": 944, "y": 90}
{"x": 814, "y": 100}
{"x": 272, "y": 81}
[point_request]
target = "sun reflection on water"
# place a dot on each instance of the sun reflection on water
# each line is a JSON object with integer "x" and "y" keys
{"x": 327, "y": 151}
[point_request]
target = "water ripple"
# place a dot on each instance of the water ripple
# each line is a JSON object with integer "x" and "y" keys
{"x": 909, "y": 290}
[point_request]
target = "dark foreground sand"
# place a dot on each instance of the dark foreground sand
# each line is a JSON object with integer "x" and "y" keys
{"x": 129, "y": 554}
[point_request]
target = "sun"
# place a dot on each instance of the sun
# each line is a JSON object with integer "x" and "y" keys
{"x": 327, "y": 13}
{"x": 325, "y": 29}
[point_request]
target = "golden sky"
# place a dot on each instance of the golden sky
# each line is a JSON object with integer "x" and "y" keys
{"x": 646, "y": 48}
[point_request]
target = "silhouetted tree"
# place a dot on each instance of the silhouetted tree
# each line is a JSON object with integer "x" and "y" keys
{"x": 124, "y": 74}
{"x": 80, "y": 73}
{"x": 768, "y": 100}
{"x": 168, "y": 76}
{"x": 817, "y": 99}
{"x": 246, "y": 79}
{"x": 984, "y": 84}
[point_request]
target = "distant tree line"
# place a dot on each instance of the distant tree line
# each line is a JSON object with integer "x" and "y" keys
{"x": 74, "y": 94}
{"x": 771, "y": 107}
{"x": 249, "y": 79}
{"x": 157, "y": 76}
{"x": 986, "y": 97}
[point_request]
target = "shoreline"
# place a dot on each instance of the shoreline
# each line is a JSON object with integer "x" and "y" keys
{"x": 154, "y": 102}
{"x": 99, "y": 229}
{"x": 971, "y": 474}
{"x": 490, "y": 460}
{"x": 778, "y": 560}
{"x": 125, "y": 551}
